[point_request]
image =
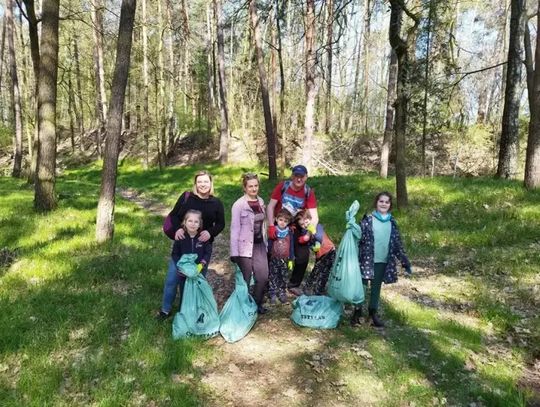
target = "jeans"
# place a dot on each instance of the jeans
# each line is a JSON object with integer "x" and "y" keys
{"x": 174, "y": 282}
{"x": 257, "y": 265}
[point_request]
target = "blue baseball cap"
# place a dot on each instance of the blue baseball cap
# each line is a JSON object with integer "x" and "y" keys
{"x": 299, "y": 170}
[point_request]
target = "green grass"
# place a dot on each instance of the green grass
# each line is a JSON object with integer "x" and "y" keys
{"x": 76, "y": 325}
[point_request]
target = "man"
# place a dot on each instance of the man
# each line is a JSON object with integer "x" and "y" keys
{"x": 294, "y": 194}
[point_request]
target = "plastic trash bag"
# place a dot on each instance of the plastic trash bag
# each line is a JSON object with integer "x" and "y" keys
{"x": 316, "y": 311}
{"x": 345, "y": 281}
{"x": 239, "y": 312}
{"x": 198, "y": 314}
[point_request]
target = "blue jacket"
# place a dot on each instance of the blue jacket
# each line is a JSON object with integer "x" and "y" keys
{"x": 366, "y": 251}
{"x": 192, "y": 245}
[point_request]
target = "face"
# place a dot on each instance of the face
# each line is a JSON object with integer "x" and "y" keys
{"x": 282, "y": 222}
{"x": 192, "y": 223}
{"x": 252, "y": 188}
{"x": 203, "y": 185}
{"x": 383, "y": 204}
{"x": 304, "y": 222}
{"x": 298, "y": 180}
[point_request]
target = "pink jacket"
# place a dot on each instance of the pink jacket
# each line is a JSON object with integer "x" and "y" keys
{"x": 242, "y": 221}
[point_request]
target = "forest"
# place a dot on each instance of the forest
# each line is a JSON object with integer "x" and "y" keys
{"x": 108, "y": 108}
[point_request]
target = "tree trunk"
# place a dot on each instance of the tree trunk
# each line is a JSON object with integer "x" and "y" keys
{"x": 426, "y": 88}
{"x": 210, "y": 113}
{"x": 389, "y": 122}
{"x": 329, "y": 55}
{"x": 171, "y": 122}
{"x": 45, "y": 198}
{"x": 2, "y": 46}
{"x": 160, "y": 106}
{"x": 80, "y": 109}
{"x": 101, "y": 96}
{"x": 105, "y": 211}
{"x": 279, "y": 17}
{"x": 15, "y": 92}
{"x": 532, "y": 160}
{"x": 223, "y": 108}
{"x": 146, "y": 112}
{"x": 365, "y": 58}
{"x": 311, "y": 85}
{"x": 509, "y": 146}
{"x": 270, "y": 137}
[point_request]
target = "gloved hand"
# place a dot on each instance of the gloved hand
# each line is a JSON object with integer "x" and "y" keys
{"x": 304, "y": 238}
{"x": 272, "y": 232}
{"x": 234, "y": 259}
{"x": 290, "y": 264}
{"x": 408, "y": 270}
{"x": 199, "y": 267}
{"x": 311, "y": 229}
{"x": 316, "y": 247}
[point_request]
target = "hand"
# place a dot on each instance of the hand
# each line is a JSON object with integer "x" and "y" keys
{"x": 316, "y": 247}
{"x": 290, "y": 264}
{"x": 408, "y": 270}
{"x": 311, "y": 228}
{"x": 204, "y": 236}
{"x": 272, "y": 232}
{"x": 304, "y": 238}
{"x": 199, "y": 267}
{"x": 180, "y": 234}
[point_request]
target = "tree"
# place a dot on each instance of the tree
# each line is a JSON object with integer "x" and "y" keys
{"x": 311, "y": 82}
{"x": 105, "y": 211}
{"x": 45, "y": 198}
{"x": 101, "y": 96}
{"x": 223, "y": 108}
{"x": 15, "y": 92}
{"x": 532, "y": 160}
{"x": 268, "y": 122}
{"x": 389, "y": 121}
{"x": 509, "y": 146}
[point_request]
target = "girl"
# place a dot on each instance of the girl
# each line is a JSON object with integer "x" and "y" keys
{"x": 248, "y": 240}
{"x": 379, "y": 248}
{"x": 191, "y": 243}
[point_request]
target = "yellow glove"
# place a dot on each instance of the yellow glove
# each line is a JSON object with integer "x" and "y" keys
{"x": 290, "y": 264}
{"x": 316, "y": 247}
{"x": 199, "y": 267}
{"x": 311, "y": 229}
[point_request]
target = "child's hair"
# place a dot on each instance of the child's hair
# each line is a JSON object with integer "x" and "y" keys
{"x": 285, "y": 214}
{"x": 200, "y": 174}
{"x": 193, "y": 212}
{"x": 302, "y": 214}
{"x": 248, "y": 176}
{"x": 384, "y": 193}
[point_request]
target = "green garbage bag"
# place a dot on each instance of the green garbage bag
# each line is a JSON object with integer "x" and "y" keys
{"x": 316, "y": 311}
{"x": 345, "y": 281}
{"x": 239, "y": 312}
{"x": 198, "y": 314}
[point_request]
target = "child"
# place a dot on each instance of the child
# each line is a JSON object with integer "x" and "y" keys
{"x": 325, "y": 252}
{"x": 175, "y": 280}
{"x": 281, "y": 253}
{"x": 379, "y": 248}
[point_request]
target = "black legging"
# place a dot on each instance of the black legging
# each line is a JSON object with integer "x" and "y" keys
{"x": 301, "y": 260}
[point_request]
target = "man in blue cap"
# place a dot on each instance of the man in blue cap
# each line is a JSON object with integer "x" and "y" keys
{"x": 294, "y": 194}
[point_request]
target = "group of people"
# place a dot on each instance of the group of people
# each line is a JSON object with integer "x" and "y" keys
{"x": 270, "y": 242}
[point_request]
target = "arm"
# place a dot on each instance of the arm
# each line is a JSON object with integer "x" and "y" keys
{"x": 235, "y": 228}
{"x": 270, "y": 211}
{"x": 178, "y": 211}
{"x": 311, "y": 205}
{"x": 207, "y": 254}
{"x": 399, "y": 249}
{"x": 219, "y": 223}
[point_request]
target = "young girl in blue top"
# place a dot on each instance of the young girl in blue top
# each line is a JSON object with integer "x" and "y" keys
{"x": 379, "y": 247}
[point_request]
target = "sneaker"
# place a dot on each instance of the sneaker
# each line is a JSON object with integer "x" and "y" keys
{"x": 283, "y": 298}
{"x": 295, "y": 291}
{"x": 162, "y": 316}
{"x": 261, "y": 310}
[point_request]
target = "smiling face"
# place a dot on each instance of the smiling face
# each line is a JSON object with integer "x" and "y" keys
{"x": 192, "y": 223}
{"x": 282, "y": 222}
{"x": 203, "y": 185}
{"x": 383, "y": 204}
{"x": 304, "y": 222}
{"x": 251, "y": 188}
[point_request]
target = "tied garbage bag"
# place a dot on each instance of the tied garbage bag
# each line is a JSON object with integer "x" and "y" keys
{"x": 198, "y": 314}
{"x": 316, "y": 311}
{"x": 239, "y": 312}
{"x": 345, "y": 281}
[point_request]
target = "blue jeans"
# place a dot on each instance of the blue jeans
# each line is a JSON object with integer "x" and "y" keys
{"x": 174, "y": 282}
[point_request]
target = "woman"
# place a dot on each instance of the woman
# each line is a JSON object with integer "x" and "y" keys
{"x": 248, "y": 239}
{"x": 201, "y": 199}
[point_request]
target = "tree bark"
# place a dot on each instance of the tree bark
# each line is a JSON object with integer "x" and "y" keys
{"x": 45, "y": 198}
{"x": 389, "y": 121}
{"x": 101, "y": 96}
{"x": 532, "y": 160}
{"x": 365, "y": 58}
{"x": 79, "y": 100}
{"x": 329, "y": 55}
{"x": 509, "y": 145}
{"x": 171, "y": 116}
{"x": 426, "y": 87}
{"x": 2, "y": 47}
{"x": 311, "y": 83}
{"x": 146, "y": 112}
{"x": 223, "y": 108}
{"x": 270, "y": 136}
{"x": 15, "y": 93}
{"x": 105, "y": 211}
{"x": 210, "y": 113}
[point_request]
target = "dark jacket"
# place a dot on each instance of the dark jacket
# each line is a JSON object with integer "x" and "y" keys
{"x": 213, "y": 214}
{"x": 192, "y": 245}
{"x": 367, "y": 251}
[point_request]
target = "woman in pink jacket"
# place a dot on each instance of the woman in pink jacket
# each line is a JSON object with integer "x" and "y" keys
{"x": 248, "y": 238}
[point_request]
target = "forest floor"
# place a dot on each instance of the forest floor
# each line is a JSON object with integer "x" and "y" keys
{"x": 262, "y": 369}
